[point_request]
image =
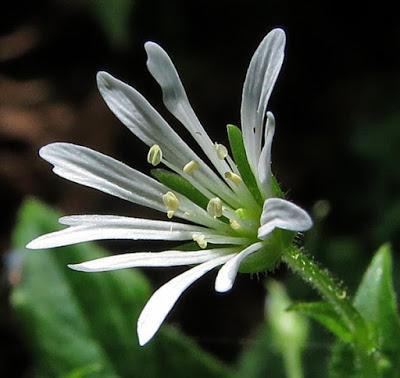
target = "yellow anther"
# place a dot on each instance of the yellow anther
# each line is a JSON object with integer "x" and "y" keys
{"x": 200, "y": 239}
{"x": 191, "y": 167}
{"x": 171, "y": 203}
{"x": 154, "y": 156}
{"x": 222, "y": 151}
{"x": 214, "y": 207}
{"x": 234, "y": 224}
{"x": 233, "y": 177}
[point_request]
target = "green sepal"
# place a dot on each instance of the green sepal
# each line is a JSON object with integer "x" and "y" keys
{"x": 325, "y": 314}
{"x": 180, "y": 185}
{"x": 276, "y": 189}
{"x": 268, "y": 257}
{"x": 240, "y": 157}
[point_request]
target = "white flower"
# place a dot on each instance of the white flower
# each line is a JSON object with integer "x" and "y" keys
{"x": 236, "y": 217}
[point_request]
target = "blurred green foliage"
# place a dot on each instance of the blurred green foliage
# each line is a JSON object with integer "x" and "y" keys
{"x": 280, "y": 341}
{"x": 83, "y": 325}
{"x": 114, "y": 17}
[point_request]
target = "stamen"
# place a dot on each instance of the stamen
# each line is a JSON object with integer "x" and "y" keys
{"x": 241, "y": 213}
{"x": 191, "y": 167}
{"x": 154, "y": 156}
{"x": 214, "y": 207}
{"x": 200, "y": 240}
{"x": 222, "y": 151}
{"x": 233, "y": 177}
{"x": 171, "y": 203}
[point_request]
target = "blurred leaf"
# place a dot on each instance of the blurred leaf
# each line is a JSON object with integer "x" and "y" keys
{"x": 324, "y": 313}
{"x": 261, "y": 359}
{"x": 280, "y": 341}
{"x": 114, "y": 16}
{"x": 83, "y": 325}
{"x": 342, "y": 362}
{"x": 289, "y": 329}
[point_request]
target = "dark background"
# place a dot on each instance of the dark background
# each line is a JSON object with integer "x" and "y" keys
{"x": 335, "y": 102}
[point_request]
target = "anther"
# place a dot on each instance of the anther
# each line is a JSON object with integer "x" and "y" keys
{"x": 222, "y": 151}
{"x": 154, "y": 156}
{"x": 191, "y": 167}
{"x": 214, "y": 207}
{"x": 171, "y": 203}
{"x": 235, "y": 225}
{"x": 200, "y": 240}
{"x": 233, "y": 177}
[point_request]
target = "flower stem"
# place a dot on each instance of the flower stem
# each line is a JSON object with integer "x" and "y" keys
{"x": 293, "y": 365}
{"x": 334, "y": 293}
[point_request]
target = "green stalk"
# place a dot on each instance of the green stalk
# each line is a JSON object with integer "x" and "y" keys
{"x": 330, "y": 289}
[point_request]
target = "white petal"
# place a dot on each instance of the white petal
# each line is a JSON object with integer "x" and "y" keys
{"x": 176, "y": 101}
{"x": 279, "y": 213}
{"x": 227, "y": 274}
{"x": 150, "y": 259}
{"x": 102, "y": 227}
{"x": 260, "y": 80}
{"x": 146, "y": 123}
{"x": 264, "y": 164}
{"x": 93, "y": 169}
{"x": 161, "y": 302}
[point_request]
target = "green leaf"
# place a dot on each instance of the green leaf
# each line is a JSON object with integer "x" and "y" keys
{"x": 240, "y": 157}
{"x": 376, "y": 301}
{"x": 325, "y": 314}
{"x": 85, "y": 324}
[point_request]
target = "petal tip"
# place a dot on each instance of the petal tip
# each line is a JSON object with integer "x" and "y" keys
{"x": 279, "y": 31}
{"x": 43, "y": 151}
{"x": 32, "y": 245}
{"x": 222, "y": 286}
{"x": 104, "y": 80}
{"x": 144, "y": 332}
{"x": 150, "y": 45}
{"x": 80, "y": 268}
